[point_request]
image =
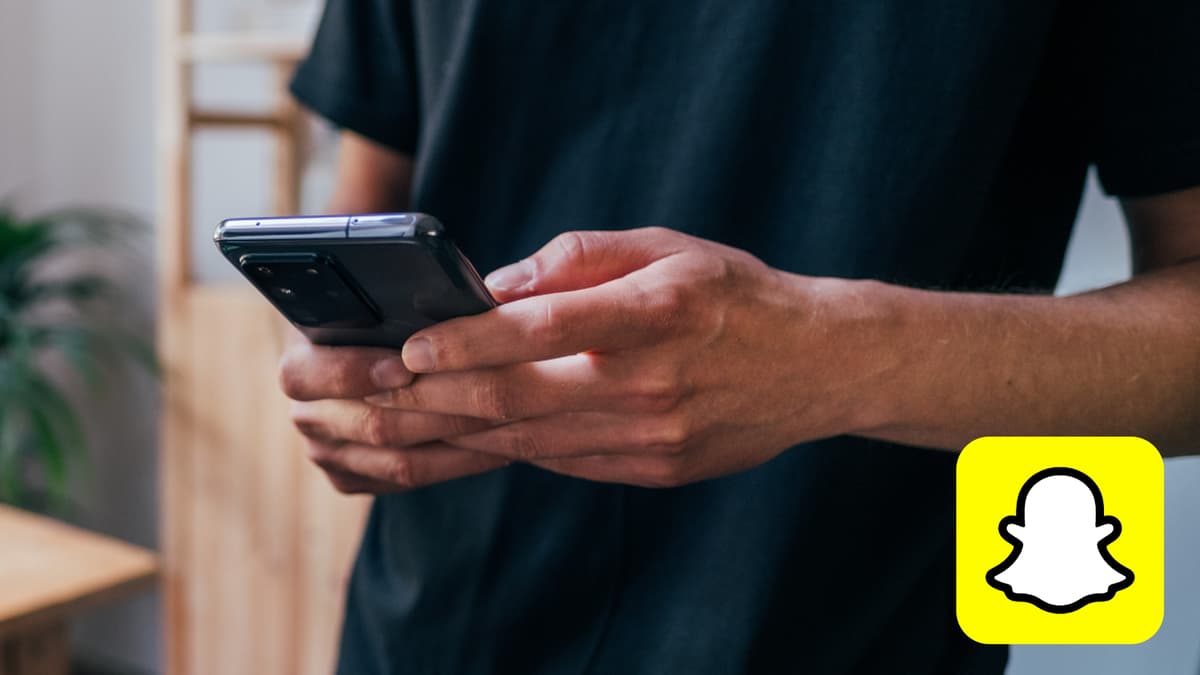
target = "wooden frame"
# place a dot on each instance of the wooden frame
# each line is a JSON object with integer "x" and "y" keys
{"x": 256, "y": 546}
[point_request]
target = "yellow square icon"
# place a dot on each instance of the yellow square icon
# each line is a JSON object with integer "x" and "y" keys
{"x": 1059, "y": 540}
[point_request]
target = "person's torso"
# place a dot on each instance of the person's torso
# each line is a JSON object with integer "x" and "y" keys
{"x": 921, "y": 142}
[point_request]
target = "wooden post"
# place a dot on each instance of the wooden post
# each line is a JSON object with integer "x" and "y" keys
{"x": 174, "y": 260}
{"x": 256, "y": 545}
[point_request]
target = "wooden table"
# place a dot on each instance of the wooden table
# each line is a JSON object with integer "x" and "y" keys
{"x": 48, "y": 572}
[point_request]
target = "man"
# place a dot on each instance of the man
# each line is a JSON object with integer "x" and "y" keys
{"x": 686, "y": 451}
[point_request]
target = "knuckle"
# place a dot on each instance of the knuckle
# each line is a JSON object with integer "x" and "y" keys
{"x": 459, "y": 425}
{"x": 723, "y": 270}
{"x": 521, "y": 447}
{"x": 399, "y": 472}
{"x": 660, "y": 232}
{"x": 656, "y": 394}
{"x": 572, "y": 246}
{"x": 668, "y": 435}
{"x": 374, "y": 426}
{"x": 405, "y": 398}
{"x": 668, "y": 305}
{"x": 491, "y": 400}
{"x": 718, "y": 275}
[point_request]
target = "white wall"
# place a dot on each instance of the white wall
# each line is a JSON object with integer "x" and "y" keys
{"x": 1099, "y": 256}
{"x": 78, "y": 98}
{"x": 77, "y": 84}
{"x": 16, "y": 83}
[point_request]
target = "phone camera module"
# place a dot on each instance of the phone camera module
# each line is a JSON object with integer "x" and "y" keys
{"x": 310, "y": 290}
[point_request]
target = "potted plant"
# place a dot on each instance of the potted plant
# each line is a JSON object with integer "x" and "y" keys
{"x": 60, "y": 310}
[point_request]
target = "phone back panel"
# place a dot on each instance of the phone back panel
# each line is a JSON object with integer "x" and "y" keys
{"x": 410, "y": 277}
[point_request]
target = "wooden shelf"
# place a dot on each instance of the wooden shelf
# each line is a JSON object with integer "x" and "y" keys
{"x": 241, "y": 47}
{"x": 234, "y": 119}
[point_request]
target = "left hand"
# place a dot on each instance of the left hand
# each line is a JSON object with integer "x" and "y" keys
{"x": 645, "y": 357}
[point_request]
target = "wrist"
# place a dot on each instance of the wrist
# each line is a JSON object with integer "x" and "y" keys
{"x": 854, "y": 347}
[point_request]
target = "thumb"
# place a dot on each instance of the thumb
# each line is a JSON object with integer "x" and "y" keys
{"x": 576, "y": 260}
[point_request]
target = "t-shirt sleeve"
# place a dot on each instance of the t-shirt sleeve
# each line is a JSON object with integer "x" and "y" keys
{"x": 1148, "y": 118}
{"x": 361, "y": 74}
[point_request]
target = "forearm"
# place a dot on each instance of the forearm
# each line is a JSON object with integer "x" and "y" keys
{"x": 370, "y": 177}
{"x": 939, "y": 369}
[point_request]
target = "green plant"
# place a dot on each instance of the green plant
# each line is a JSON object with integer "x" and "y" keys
{"x": 56, "y": 307}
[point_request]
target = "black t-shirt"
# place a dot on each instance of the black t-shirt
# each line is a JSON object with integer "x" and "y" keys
{"x": 923, "y": 142}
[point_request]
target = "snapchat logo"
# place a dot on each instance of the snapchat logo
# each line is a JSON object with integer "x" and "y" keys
{"x": 1059, "y": 540}
{"x": 1060, "y": 534}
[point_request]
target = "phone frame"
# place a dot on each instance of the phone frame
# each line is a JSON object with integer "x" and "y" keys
{"x": 402, "y": 266}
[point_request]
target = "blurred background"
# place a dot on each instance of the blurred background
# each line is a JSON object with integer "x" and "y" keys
{"x": 172, "y": 112}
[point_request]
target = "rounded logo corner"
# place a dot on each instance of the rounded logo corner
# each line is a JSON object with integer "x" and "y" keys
{"x": 972, "y": 634}
{"x": 974, "y": 447}
{"x": 1145, "y": 445}
{"x": 1153, "y": 629}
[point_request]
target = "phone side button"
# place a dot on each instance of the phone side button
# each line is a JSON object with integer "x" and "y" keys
{"x": 386, "y": 225}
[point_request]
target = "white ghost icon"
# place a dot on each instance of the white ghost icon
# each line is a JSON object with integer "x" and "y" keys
{"x": 1060, "y": 535}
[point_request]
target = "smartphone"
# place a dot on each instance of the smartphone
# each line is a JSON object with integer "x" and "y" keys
{"x": 366, "y": 280}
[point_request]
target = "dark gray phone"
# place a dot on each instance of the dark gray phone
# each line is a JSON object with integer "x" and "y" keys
{"x": 366, "y": 280}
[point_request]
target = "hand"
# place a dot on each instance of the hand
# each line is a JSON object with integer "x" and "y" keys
{"x": 365, "y": 448}
{"x": 646, "y": 357}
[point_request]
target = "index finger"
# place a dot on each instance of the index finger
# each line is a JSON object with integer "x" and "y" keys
{"x": 610, "y": 316}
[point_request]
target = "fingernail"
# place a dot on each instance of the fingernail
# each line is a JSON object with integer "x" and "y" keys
{"x": 418, "y": 355}
{"x": 390, "y": 373}
{"x": 512, "y": 277}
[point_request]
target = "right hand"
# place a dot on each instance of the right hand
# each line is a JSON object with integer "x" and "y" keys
{"x": 365, "y": 448}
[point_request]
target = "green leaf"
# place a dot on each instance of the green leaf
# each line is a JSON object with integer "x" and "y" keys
{"x": 87, "y": 347}
{"x": 10, "y": 459}
{"x": 71, "y": 316}
{"x": 77, "y": 290}
{"x": 57, "y": 432}
{"x": 39, "y": 425}
{"x": 51, "y": 453}
{"x": 82, "y": 346}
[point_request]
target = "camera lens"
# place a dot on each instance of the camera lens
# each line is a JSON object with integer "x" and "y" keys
{"x": 309, "y": 289}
